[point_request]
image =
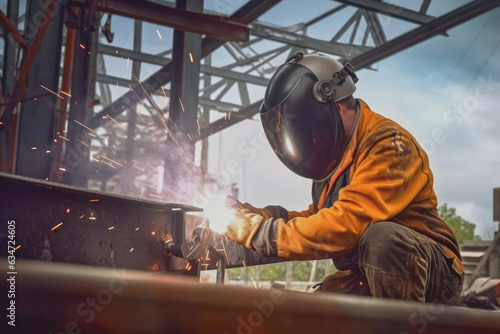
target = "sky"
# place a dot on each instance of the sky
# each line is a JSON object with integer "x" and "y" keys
{"x": 445, "y": 91}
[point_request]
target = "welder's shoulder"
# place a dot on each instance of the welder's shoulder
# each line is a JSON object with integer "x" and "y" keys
{"x": 384, "y": 131}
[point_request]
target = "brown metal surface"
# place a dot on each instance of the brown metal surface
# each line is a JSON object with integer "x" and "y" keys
{"x": 68, "y": 298}
{"x": 219, "y": 27}
{"x": 21, "y": 87}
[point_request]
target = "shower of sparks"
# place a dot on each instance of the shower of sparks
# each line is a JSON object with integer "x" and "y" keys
{"x": 121, "y": 126}
{"x": 182, "y": 106}
{"x": 191, "y": 57}
{"x": 52, "y": 229}
{"x": 67, "y": 94}
{"x": 52, "y": 92}
{"x": 158, "y": 33}
{"x": 86, "y": 127}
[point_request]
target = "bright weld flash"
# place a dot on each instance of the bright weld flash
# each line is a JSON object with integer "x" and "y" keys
{"x": 219, "y": 214}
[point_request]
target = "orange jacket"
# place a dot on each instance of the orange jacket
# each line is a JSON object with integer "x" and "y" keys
{"x": 389, "y": 180}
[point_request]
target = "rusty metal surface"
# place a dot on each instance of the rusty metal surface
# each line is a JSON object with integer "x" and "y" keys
{"x": 61, "y": 223}
{"x": 67, "y": 298}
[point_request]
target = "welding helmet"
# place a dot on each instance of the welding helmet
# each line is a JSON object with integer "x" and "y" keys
{"x": 300, "y": 115}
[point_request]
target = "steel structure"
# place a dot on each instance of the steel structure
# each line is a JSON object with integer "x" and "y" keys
{"x": 178, "y": 91}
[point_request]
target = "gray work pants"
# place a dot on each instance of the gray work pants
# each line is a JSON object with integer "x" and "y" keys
{"x": 393, "y": 261}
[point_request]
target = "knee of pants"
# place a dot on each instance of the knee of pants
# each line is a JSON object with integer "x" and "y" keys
{"x": 381, "y": 243}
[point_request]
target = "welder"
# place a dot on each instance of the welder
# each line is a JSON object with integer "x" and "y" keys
{"x": 373, "y": 205}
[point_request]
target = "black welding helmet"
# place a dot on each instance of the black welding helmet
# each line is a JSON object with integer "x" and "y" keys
{"x": 300, "y": 117}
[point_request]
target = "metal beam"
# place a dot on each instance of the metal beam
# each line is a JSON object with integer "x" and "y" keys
{"x": 225, "y": 122}
{"x": 224, "y": 28}
{"x": 390, "y": 9}
{"x": 249, "y": 12}
{"x": 205, "y": 69}
{"x": 204, "y": 102}
{"x": 38, "y": 118}
{"x": 291, "y": 38}
{"x": 420, "y": 34}
{"x": 54, "y": 296}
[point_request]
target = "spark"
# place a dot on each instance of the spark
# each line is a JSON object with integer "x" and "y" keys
{"x": 94, "y": 200}
{"x": 62, "y": 169}
{"x": 158, "y": 33}
{"x": 92, "y": 218}
{"x": 194, "y": 250}
{"x": 67, "y": 211}
{"x": 52, "y": 229}
{"x": 112, "y": 160}
{"x": 167, "y": 241}
{"x": 253, "y": 282}
{"x": 82, "y": 46}
{"x": 229, "y": 117}
{"x": 182, "y": 106}
{"x": 153, "y": 233}
{"x": 91, "y": 134}
{"x": 243, "y": 261}
{"x": 48, "y": 151}
{"x": 86, "y": 127}
{"x": 63, "y": 138}
{"x": 82, "y": 142}
{"x": 131, "y": 249}
{"x": 17, "y": 248}
{"x": 33, "y": 148}
{"x": 137, "y": 229}
{"x": 52, "y": 92}
{"x": 188, "y": 267}
{"x": 67, "y": 94}
{"x": 360, "y": 283}
{"x": 121, "y": 126}
{"x": 191, "y": 56}
{"x": 82, "y": 216}
{"x": 138, "y": 168}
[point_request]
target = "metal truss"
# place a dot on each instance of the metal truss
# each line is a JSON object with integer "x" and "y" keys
{"x": 125, "y": 127}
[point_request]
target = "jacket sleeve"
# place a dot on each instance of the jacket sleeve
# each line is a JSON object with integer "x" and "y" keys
{"x": 306, "y": 213}
{"x": 387, "y": 175}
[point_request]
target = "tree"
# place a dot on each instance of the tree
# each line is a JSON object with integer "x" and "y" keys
{"x": 463, "y": 229}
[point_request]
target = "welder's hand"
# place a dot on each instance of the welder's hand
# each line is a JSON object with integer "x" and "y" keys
{"x": 243, "y": 226}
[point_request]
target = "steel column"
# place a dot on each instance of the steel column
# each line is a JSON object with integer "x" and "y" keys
{"x": 184, "y": 89}
{"x": 74, "y": 168}
{"x": 224, "y": 28}
{"x": 37, "y": 119}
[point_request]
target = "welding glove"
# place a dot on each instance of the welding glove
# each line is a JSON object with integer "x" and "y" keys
{"x": 243, "y": 226}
